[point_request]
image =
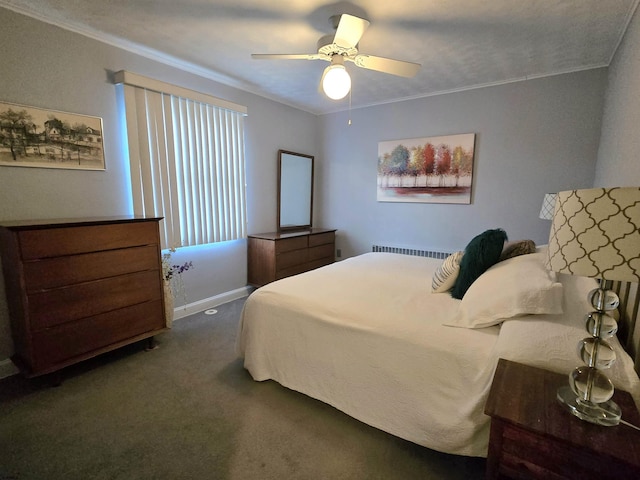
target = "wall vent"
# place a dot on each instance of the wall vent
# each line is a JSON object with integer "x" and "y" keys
{"x": 410, "y": 251}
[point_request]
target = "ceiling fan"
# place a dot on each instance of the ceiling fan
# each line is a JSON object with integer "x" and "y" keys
{"x": 343, "y": 46}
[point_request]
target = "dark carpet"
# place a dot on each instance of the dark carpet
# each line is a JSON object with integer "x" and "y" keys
{"x": 189, "y": 410}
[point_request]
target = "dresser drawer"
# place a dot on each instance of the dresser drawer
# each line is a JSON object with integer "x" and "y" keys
{"x": 320, "y": 263}
{"x": 322, "y": 239}
{"x": 517, "y": 468}
{"x": 289, "y": 259}
{"x": 526, "y": 452}
{"x": 322, "y": 251}
{"x": 55, "y": 345}
{"x": 293, "y": 270}
{"x": 288, "y": 244}
{"x": 61, "y": 305}
{"x": 54, "y": 242}
{"x": 60, "y": 271}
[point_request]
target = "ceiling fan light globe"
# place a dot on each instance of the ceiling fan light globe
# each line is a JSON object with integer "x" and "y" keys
{"x": 336, "y": 82}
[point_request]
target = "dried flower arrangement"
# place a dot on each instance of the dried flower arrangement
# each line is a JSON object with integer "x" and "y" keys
{"x": 173, "y": 273}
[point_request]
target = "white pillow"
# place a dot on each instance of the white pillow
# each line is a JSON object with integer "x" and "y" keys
{"x": 446, "y": 274}
{"x": 517, "y": 286}
{"x": 557, "y": 336}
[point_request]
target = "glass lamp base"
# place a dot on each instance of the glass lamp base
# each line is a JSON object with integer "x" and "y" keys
{"x": 607, "y": 413}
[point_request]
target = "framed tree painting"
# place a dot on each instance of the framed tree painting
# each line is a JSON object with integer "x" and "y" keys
{"x": 427, "y": 169}
{"x": 36, "y": 137}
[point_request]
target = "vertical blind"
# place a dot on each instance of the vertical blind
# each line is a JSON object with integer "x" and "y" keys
{"x": 187, "y": 162}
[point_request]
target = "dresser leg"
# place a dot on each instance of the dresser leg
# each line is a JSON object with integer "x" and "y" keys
{"x": 151, "y": 344}
{"x": 54, "y": 379}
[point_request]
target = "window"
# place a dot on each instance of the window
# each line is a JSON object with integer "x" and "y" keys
{"x": 187, "y": 161}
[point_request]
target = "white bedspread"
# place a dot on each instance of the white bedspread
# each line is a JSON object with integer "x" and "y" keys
{"x": 366, "y": 336}
{"x": 375, "y": 349}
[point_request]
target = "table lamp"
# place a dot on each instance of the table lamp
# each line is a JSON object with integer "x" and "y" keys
{"x": 548, "y": 205}
{"x": 596, "y": 233}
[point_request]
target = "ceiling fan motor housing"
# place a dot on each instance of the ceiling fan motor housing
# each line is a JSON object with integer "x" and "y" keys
{"x": 327, "y": 47}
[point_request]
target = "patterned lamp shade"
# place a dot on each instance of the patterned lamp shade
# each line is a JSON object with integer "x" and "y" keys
{"x": 548, "y": 204}
{"x": 596, "y": 233}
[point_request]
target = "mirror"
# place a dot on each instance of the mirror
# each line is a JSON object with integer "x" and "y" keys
{"x": 295, "y": 190}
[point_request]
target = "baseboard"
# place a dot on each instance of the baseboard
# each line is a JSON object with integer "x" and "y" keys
{"x": 7, "y": 368}
{"x": 211, "y": 302}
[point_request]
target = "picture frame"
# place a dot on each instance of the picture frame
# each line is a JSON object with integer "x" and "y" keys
{"x": 426, "y": 169}
{"x": 44, "y": 138}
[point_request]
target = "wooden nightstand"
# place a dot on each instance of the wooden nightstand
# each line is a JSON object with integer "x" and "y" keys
{"x": 533, "y": 436}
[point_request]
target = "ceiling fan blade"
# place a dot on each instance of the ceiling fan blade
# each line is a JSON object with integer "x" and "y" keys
{"x": 387, "y": 65}
{"x": 349, "y": 31}
{"x": 287, "y": 56}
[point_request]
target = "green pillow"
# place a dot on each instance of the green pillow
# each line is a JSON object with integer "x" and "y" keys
{"x": 481, "y": 253}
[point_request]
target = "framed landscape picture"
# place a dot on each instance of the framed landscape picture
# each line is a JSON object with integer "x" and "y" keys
{"x": 427, "y": 169}
{"x": 36, "y": 137}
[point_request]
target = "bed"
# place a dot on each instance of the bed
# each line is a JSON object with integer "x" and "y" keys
{"x": 367, "y": 336}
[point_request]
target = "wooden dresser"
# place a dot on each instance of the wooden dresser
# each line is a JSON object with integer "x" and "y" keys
{"x": 80, "y": 287}
{"x": 272, "y": 256}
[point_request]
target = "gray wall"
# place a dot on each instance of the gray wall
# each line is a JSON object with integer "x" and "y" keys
{"x": 619, "y": 154}
{"x": 532, "y": 137}
{"x": 49, "y": 67}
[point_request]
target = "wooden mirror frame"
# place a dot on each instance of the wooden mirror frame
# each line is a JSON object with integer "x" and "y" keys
{"x": 295, "y": 189}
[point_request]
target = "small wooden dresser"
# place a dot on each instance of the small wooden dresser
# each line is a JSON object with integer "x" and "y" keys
{"x": 80, "y": 287}
{"x": 272, "y": 256}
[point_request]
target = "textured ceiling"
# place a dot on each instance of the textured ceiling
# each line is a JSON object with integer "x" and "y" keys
{"x": 460, "y": 44}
